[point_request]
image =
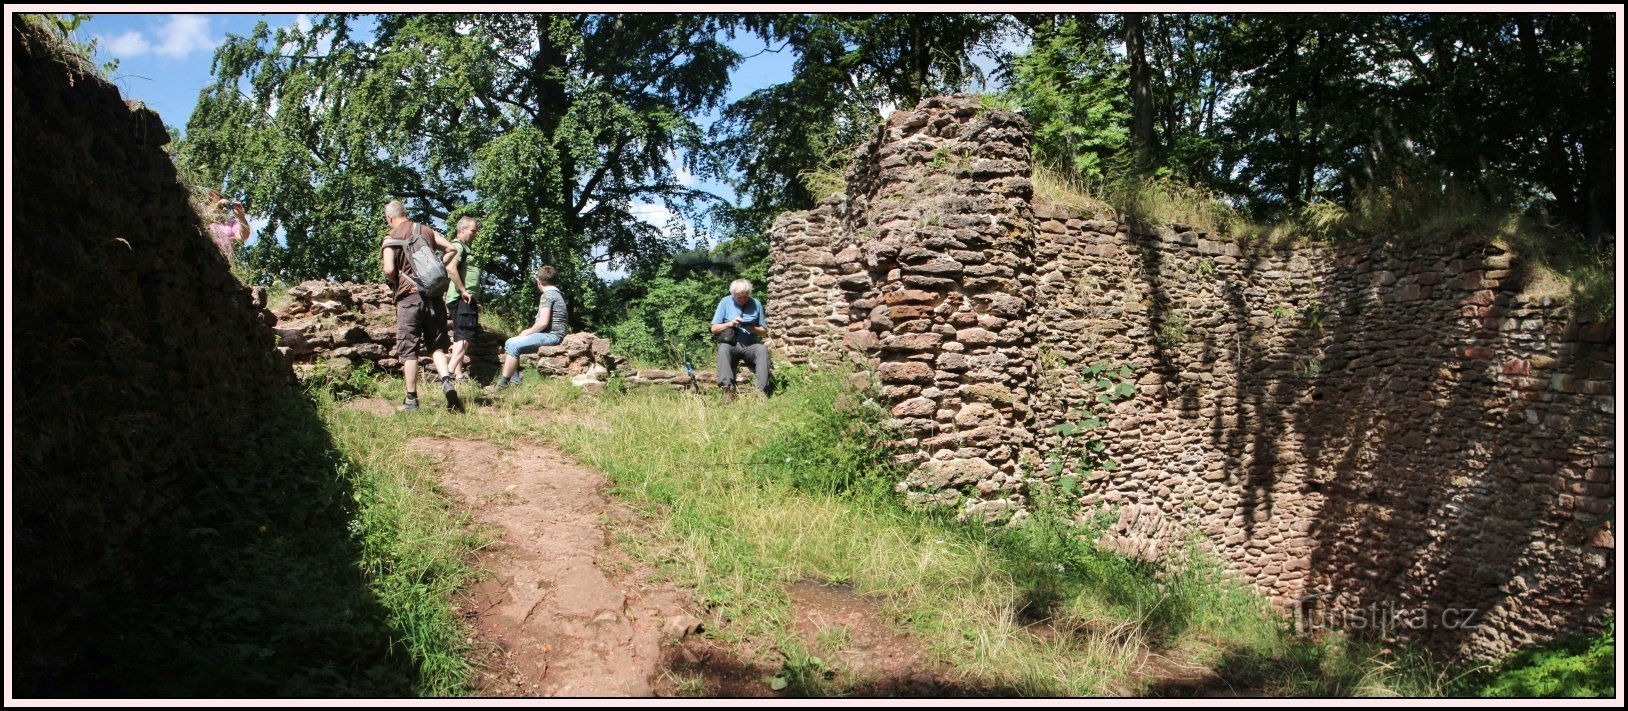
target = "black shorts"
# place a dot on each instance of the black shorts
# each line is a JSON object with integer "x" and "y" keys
{"x": 465, "y": 320}
{"x": 415, "y": 318}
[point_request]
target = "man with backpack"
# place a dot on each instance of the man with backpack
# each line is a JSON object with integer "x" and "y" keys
{"x": 420, "y": 278}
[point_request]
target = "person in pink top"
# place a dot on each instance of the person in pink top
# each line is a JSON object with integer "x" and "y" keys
{"x": 223, "y": 230}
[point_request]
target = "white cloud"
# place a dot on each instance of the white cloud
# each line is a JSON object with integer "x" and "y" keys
{"x": 129, "y": 44}
{"x": 177, "y": 38}
{"x": 302, "y": 22}
{"x": 183, "y": 35}
{"x": 654, "y": 213}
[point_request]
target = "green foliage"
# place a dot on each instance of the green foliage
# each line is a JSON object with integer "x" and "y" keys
{"x": 555, "y": 126}
{"x": 1205, "y": 268}
{"x": 339, "y": 380}
{"x": 1579, "y": 667}
{"x": 1074, "y": 92}
{"x": 1173, "y": 332}
{"x": 1080, "y": 453}
{"x": 65, "y": 27}
{"x": 1314, "y": 315}
{"x": 670, "y": 321}
{"x": 831, "y": 448}
{"x": 1056, "y": 565}
{"x": 1344, "y": 121}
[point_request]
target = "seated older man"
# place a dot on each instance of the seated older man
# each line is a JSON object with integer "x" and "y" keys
{"x": 738, "y": 325}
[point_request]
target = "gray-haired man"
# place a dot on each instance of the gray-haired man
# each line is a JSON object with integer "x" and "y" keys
{"x": 741, "y": 316}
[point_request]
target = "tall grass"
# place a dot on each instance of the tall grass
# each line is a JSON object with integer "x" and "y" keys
{"x": 415, "y": 543}
{"x": 752, "y": 497}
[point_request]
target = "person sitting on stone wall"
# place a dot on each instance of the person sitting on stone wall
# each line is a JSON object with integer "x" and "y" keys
{"x": 420, "y": 318}
{"x": 461, "y": 307}
{"x": 227, "y": 233}
{"x": 547, "y": 330}
{"x": 738, "y": 324}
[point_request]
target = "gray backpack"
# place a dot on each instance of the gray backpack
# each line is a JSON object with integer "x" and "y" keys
{"x": 424, "y": 265}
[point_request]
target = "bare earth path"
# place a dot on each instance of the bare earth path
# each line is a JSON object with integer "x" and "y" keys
{"x": 565, "y": 613}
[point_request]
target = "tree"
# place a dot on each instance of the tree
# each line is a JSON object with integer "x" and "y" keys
{"x": 849, "y": 69}
{"x": 1074, "y": 92}
{"x": 1281, "y": 110}
{"x": 550, "y": 126}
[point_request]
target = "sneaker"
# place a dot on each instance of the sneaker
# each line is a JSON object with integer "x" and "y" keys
{"x": 410, "y": 406}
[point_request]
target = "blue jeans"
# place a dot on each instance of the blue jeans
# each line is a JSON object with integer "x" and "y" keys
{"x": 529, "y": 344}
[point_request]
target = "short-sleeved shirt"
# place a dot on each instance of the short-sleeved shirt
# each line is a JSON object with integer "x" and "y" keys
{"x": 470, "y": 274}
{"x": 404, "y": 284}
{"x": 224, "y": 234}
{"x": 554, "y": 301}
{"x": 751, "y": 313}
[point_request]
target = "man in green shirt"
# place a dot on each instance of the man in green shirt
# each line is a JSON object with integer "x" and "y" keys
{"x": 461, "y": 308}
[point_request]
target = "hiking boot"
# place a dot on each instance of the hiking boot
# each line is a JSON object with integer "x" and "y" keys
{"x": 729, "y": 395}
{"x": 411, "y": 405}
{"x": 453, "y": 402}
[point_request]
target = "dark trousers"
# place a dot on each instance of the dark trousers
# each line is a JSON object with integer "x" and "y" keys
{"x": 755, "y": 355}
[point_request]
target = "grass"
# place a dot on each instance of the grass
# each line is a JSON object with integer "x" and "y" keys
{"x": 1578, "y": 667}
{"x": 741, "y": 501}
{"x": 1059, "y": 188}
{"x": 320, "y": 562}
{"x": 414, "y": 542}
{"x": 750, "y": 498}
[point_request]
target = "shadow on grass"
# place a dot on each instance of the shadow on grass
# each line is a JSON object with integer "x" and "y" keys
{"x": 248, "y": 585}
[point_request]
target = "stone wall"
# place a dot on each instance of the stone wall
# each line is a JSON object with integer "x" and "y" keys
{"x": 139, "y": 363}
{"x": 1387, "y": 427}
{"x": 357, "y": 322}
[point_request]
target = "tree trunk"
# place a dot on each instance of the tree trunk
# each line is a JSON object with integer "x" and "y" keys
{"x": 1599, "y": 157}
{"x": 552, "y": 106}
{"x": 1556, "y": 169}
{"x": 1141, "y": 91}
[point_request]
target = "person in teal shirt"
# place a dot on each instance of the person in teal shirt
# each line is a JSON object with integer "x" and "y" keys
{"x": 738, "y": 324}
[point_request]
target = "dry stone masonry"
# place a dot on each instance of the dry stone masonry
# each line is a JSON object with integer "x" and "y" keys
{"x": 323, "y": 320}
{"x": 1386, "y": 431}
{"x": 140, "y": 363}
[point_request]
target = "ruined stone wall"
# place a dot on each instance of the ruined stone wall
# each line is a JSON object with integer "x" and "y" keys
{"x": 325, "y": 320}
{"x": 1385, "y": 427}
{"x": 138, "y": 362}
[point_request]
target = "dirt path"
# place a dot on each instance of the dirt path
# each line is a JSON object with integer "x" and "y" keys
{"x": 565, "y": 614}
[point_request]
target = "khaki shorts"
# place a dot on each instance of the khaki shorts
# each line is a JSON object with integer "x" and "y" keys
{"x": 415, "y": 318}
